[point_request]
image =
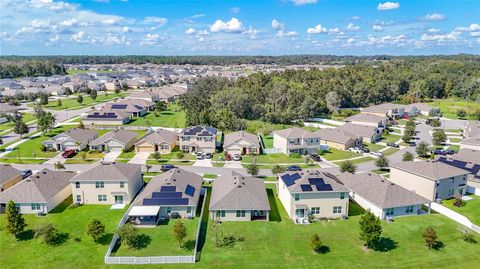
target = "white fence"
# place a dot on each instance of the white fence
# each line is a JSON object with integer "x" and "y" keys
{"x": 334, "y": 122}
{"x": 455, "y": 216}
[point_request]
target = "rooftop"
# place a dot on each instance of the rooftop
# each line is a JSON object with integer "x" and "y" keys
{"x": 430, "y": 169}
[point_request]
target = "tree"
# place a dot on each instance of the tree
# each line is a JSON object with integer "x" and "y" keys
{"x": 370, "y": 229}
{"x": 348, "y": 166}
{"x": 59, "y": 102}
{"x": 93, "y": 95}
{"x": 476, "y": 114}
{"x": 51, "y": 236}
{"x": 148, "y": 167}
{"x": 315, "y": 242}
{"x": 467, "y": 236}
{"x": 435, "y": 122}
{"x": 43, "y": 99}
{"x": 381, "y": 162}
{"x": 83, "y": 155}
{"x": 80, "y": 99}
{"x": 217, "y": 232}
{"x": 58, "y": 165}
{"x": 95, "y": 229}
{"x": 129, "y": 235}
{"x": 180, "y": 155}
{"x": 430, "y": 237}
{"x": 160, "y": 106}
{"x": 46, "y": 123}
{"x": 406, "y": 137}
{"x": 439, "y": 137}
{"x": 277, "y": 169}
{"x": 80, "y": 125}
{"x": 157, "y": 156}
{"x": 179, "y": 232}
{"x": 15, "y": 221}
{"x": 407, "y": 156}
{"x": 39, "y": 111}
{"x": 20, "y": 127}
{"x": 333, "y": 101}
{"x": 461, "y": 113}
{"x": 422, "y": 149}
{"x": 252, "y": 169}
{"x": 117, "y": 90}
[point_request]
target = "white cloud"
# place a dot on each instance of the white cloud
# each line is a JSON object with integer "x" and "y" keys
{"x": 377, "y": 28}
{"x": 434, "y": 17}
{"x": 433, "y": 30}
{"x": 277, "y": 25}
{"x": 353, "y": 27}
{"x": 472, "y": 28}
{"x": 151, "y": 39}
{"x": 355, "y": 17}
{"x": 350, "y": 40}
{"x": 252, "y": 33}
{"x": 125, "y": 29}
{"x": 388, "y": 5}
{"x": 282, "y": 33}
{"x": 155, "y": 20}
{"x": 303, "y": 2}
{"x": 232, "y": 26}
{"x": 235, "y": 10}
{"x": 452, "y": 36}
{"x": 78, "y": 37}
{"x": 69, "y": 22}
{"x": 50, "y": 4}
{"x": 317, "y": 29}
{"x": 110, "y": 21}
{"x": 190, "y": 31}
{"x": 475, "y": 34}
{"x": 102, "y": 1}
{"x": 384, "y": 23}
{"x": 197, "y": 16}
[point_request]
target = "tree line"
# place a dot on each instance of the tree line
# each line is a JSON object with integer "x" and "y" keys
{"x": 30, "y": 68}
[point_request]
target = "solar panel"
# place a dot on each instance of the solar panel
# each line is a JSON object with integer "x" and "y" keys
{"x": 190, "y": 190}
{"x": 316, "y": 181}
{"x": 295, "y": 176}
{"x": 287, "y": 179}
{"x": 306, "y": 187}
{"x": 324, "y": 187}
{"x": 119, "y": 106}
{"x": 165, "y": 201}
{"x": 97, "y": 115}
{"x": 167, "y": 195}
{"x": 168, "y": 188}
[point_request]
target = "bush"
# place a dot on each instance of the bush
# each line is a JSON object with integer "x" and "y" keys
{"x": 51, "y": 236}
{"x": 430, "y": 237}
{"x": 129, "y": 236}
{"x": 180, "y": 155}
{"x": 277, "y": 169}
{"x": 467, "y": 236}
{"x": 95, "y": 229}
{"x": 348, "y": 166}
{"x": 295, "y": 155}
{"x": 457, "y": 201}
{"x": 315, "y": 243}
{"x": 461, "y": 113}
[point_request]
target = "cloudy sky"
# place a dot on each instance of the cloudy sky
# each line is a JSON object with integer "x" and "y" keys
{"x": 205, "y": 27}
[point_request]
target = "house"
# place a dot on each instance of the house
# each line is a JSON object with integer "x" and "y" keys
{"x": 147, "y": 95}
{"x": 296, "y": 140}
{"x": 339, "y": 138}
{"x": 130, "y": 107}
{"x": 468, "y": 160}
{"x": 367, "y": 120}
{"x": 382, "y": 197}
{"x": 241, "y": 142}
{"x": 385, "y": 110}
{"x": 107, "y": 183}
{"x": 162, "y": 141}
{"x": 74, "y": 139}
{"x": 312, "y": 192}
{"x": 421, "y": 109}
{"x": 39, "y": 193}
{"x": 106, "y": 117}
{"x": 198, "y": 139}
{"x": 174, "y": 192}
{"x": 239, "y": 198}
{"x": 117, "y": 140}
{"x": 113, "y": 85}
{"x": 364, "y": 133}
{"x": 431, "y": 179}
{"x": 9, "y": 176}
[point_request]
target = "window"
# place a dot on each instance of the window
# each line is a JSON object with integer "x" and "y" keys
{"x": 390, "y": 211}
{"x": 315, "y": 210}
{"x": 122, "y": 184}
{"x": 79, "y": 198}
{"x": 297, "y": 197}
{"x": 409, "y": 209}
{"x": 99, "y": 184}
{"x": 240, "y": 213}
{"x": 77, "y": 185}
{"x": 337, "y": 209}
{"x": 451, "y": 180}
{"x": 164, "y": 146}
{"x": 189, "y": 209}
{"x": 169, "y": 210}
{"x": 342, "y": 195}
{"x": 102, "y": 197}
{"x": 221, "y": 213}
{"x": 35, "y": 206}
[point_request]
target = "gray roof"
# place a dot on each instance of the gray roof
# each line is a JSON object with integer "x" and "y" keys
{"x": 8, "y": 108}
{"x": 38, "y": 188}
{"x": 419, "y": 106}
{"x": 234, "y": 191}
{"x": 303, "y": 178}
{"x": 474, "y": 140}
{"x": 160, "y": 136}
{"x": 101, "y": 115}
{"x": 467, "y": 155}
{"x": 336, "y": 135}
{"x": 358, "y": 129}
{"x": 7, "y": 172}
{"x": 233, "y": 137}
{"x": 429, "y": 169}
{"x": 122, "y": 136}
{"x": 199, "y": 130}
{"x": 176, "y": 177}
{"x": 472, "y": 128}
{"x": 366, "y": 118}
{"x": 77, "y": 134}
{"x": 380, "y": 191}
{"x": 295, "y": 132}
{"x": 109, "y": 172}
{"x": 382, "y": 108}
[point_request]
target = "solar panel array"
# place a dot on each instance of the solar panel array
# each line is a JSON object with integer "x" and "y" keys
{"x": 119, "y": 106}
{"x": 306, "y": 187}
{"x": 290, "y": 179}
{"x": 199, "y": 131}
{"x": 190, "y": 190}
{"x": 462, "y": 165}
{"x": 98, "y": 115}
{"x": 166, "y": 196}
{"x": 319, "y": 183}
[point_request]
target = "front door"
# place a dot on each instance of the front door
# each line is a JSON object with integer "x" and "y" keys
{"x": 118, "y": 199}
{"x": 300, "y": 213}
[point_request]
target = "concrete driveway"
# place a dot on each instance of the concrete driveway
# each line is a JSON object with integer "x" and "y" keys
{"x": 140, "y": 158}
{"x": 203, "y": 163}
{"x": 423, "y": 133}
{"x": 111, "y": 156}
{"x": 233, "y": 164}
{"x": 57, "y": 158}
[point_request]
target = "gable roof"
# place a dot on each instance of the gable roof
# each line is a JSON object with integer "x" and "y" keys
{"x": 199, "y": 130}
{"x": 380, "y": 191}
{"x": 122, "y": 136}
{"x": 233, "y": 137}
{"x": 432, "y": 170}
{"x": 336, "y": 135}
{"x": 382, "y": 108}
{"x": 312, "y": 181}
{"x": 420, "y": 106}
{"x": 109, "y": 172}
{"x": 358, "y": 129}
{"x": 107, "y": 115}
{"x": 365, "y": 118}
{"x": 474, "y": 140}
{"x": 77, "y": 134}
{"x": 37, "y": 188}
{"x": 295, "y": 132}
{"x": 466, "y": 159}
{"x": 160, "y": 136}
{"x": 7, "y": 172}
{"x": 233, "y": 191}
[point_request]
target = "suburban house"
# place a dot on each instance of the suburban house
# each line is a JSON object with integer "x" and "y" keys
{"x": 107, "y": 183}
{"x": 241, "y": 142}
{"x": 338, "y": 138}
{"x": 198, "y": 139}
{"x": 135, "y": 108}
{"x": 296, "y": 140}
{"x": 106, "y": 117}
{"x": 73, "y": 139}
{"x": 239, "y": 198}
{"x": 385, "y": 110}
{"x": 367, "y": 120}
{"x": 312, "y": 192}
{"x": 39, "y": 193}
{"x": 431, "y": 179}
{"x": 9, "y": 176}
{"x": 117, "y": 140}
{"x": 148, "y": 95}
{"x": 367, "y": 133}
{"x": 421, "y": 109}
{"x": 382, "y": 197}
{"x": 162, "y": 141}
{"x": 174, "y": 192}
{"x": 468, "y": 160}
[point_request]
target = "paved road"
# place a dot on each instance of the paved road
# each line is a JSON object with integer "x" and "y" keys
{"x": 423, "y": 133}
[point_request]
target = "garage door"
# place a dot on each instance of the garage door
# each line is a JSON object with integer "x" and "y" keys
{"x": 115, "y": 148}
{"x": 145, "y": 149}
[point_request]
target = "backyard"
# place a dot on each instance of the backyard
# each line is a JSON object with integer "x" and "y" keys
{"x": 167, "y": 118}
{"x": 471, "y": 209}
{"x": 72, "y": 103}
{"x": 449, "y": 107}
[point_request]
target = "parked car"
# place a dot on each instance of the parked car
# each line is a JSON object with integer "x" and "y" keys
{"x": 26, "y": 173}
{"x": 412, "y": 144}
{"x": 391, "y": 144}
{"x": 208, "y": 155}
{"x": 443, "y": 151}
{"x": 365, "y": 150}
{"x": 199, "y": 155}
{"x": 69, "y": 153}
{"x": 228, "y": 157}
{"x": 293, "y": 168}
{"x": 357, "y": 150}
{"x": 377, "y": 153}
{"x": 315, "y": 157}
{"x": 237, "y": 157}
{"x": 167, "y": 167}
{"x": 450, "y": 151}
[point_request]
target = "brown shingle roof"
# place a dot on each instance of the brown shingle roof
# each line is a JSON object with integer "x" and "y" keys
{"x": 109, "y": 172}
{"x": 7, "y": 172}
{"x": 430, "y": 169}
{"x": 232, "y": 137}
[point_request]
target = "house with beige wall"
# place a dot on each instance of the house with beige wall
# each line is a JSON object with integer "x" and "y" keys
{"x": 431, "y": 179}
{"x": 296, "y": 140}
{"x": 9, "y": 176}
{"x": 385, "y": 110}
{"x": 198, "y": 139}
{"x": 312, "y": 192}
{"x": 106, "y": 117}
{"x": 367, "y": 120}
{"x": 468, "y": 160}
{"x": 107, "y": 183}
{"x": 338, "y": 138}
{"x": 242, "y": 143}
{"x": 236, "y": 197}
{"x": 162, "y": 141}
{"x": 115, "y": 141}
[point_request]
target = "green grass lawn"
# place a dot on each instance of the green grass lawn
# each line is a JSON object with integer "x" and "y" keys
{"x": 374, "y": 147}
{"x": 173, "y": 118}
{"x": 471, "y": 209}
{"x": 453, "y": 131}
{"x": 335, "y": 154}
{"x": 267, "y": 141}
{"x": 91, "y": 157}
{"x": 72, "y": 103}
{"x": 78, "y": 251}
{"x": 449, "y": 107}
{"x": 127, "y": 154}
{"x": 272, "y": 158}
{"x": 181, "y": 163}
{"x": 27, "y": 117}
{"x": 359, "y": 160}
{"x": 390, "y": 138}
{"x": 381, "y": 171}
{"x": 455, "y": 140}
{"x": 257, "y": 126}
{"x": 21, "y": 161}
{"x": 211, "y": 176}
{"x": 270, "y": 166}
{"x": 390, "y": 151}
{"x": 456, "y": 148}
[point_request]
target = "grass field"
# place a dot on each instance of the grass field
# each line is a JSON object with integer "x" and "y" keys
{"x": 168, "y": 118}
{"x": 27, "y": 117}
{"x": 449, "y": 107}
{"x": 335, "y": 154}
{"x": 390, "y": 138}
{"x": 455, "y": 140}
{"x": 374, "y": 147}
{"x": 267, "y": 141}
{"x": 390, "y": 151}
{"x": 359, "y": 160}
{"x": 72, "y": 103}
{"x": 272, "y": 158}
{"x": 471, "y": 209}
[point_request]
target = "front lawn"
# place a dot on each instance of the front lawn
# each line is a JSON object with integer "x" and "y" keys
{"x": 455, "y": 139}
{"x": 390, "y": 151}
{"x": 72, "y": 103}
{"x": 390, "y": 138}
{"x": 27, "y": 117}
{"x": 374, "y": 147}
{"x": 181, "y": 163}
{"x": 272, "y": 158}
{"x": 471, "y": 209}
{"x": 334, "y": 154}
{"x": 449, "y": 107}
{"x": 455, "y": 148}
{"x": 359, "y": 160}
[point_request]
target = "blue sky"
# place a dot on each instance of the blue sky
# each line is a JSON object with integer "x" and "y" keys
{"x": 205, "y": 27}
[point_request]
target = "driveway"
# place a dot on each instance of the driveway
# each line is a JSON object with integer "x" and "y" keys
{"x": 140, "y": 158}
{"x": 111, "y": 156}
{"x": 423, "y": 133}
{"x": 203, "y": 163}
{"x": 57, "y": 158}
{"x": 233, "y": 164}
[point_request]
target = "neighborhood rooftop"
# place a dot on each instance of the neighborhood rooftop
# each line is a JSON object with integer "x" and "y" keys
{"x": 429, "y": 169}
{"x": 7, "y": 172}
{"x": 109, "y": 172}
{"x": 312, "y": 181}
{"x": 122, "y": 136}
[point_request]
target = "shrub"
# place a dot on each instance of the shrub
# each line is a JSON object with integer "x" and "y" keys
{"x": 277, "y": 169}
{"x": 467, "y": 236}
{"x": 457, "y": 201}
{"x": 179, "y": 232}
{"x": 129, "y": 236}
{"x": 430, "y": 237}
{"x": 51, "y": 236}
{"x": 348, "y": 166}
{"x": 315, "y": 242}
{"x": 95, "y": 229}
{"x": 461, "y": 113}
{"x": 295, "y": 155}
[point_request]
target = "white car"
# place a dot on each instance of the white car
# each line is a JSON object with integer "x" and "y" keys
{"x": 237, "y": 157}
{"x": 377, "y": 153}
{"x": 199, "y": 155}
{"x": 357, "y": 150}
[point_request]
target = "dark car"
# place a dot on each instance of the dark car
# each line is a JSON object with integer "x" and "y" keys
{"x": 208, "y": 155}
{"x": 26, "y": 173}
{"x": 315, "y": 157}
{"x": 68, "y": 153}
{"x": 450, "y": 151}
{"x": 391, "y": 144}
{"x": 293, "y": 168}
{"x": 365, "y": 150}
{"x": 167, "y": 167}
